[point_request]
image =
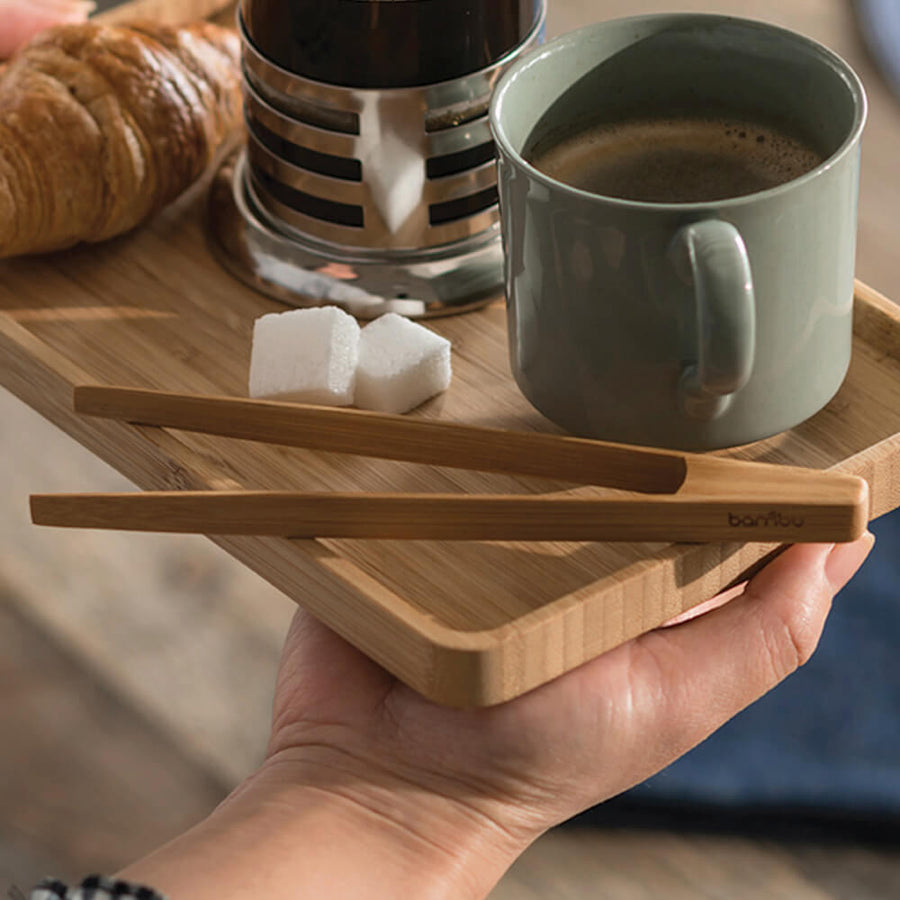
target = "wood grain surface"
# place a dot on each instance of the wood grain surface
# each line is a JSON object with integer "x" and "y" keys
{"x": 363, "y": 433}
{"x": 834, "y": 508}
{"x": 697, "y": 497}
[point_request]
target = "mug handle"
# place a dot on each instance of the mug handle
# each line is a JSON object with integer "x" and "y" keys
{"x": 712, "y": 256}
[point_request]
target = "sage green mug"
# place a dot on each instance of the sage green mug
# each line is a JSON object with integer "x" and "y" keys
{"x": 687, "y": 325}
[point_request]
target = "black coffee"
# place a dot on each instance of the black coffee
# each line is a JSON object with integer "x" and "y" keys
{"x": 677, "y": 160}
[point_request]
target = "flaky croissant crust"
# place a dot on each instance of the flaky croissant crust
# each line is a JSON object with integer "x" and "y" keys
{"x": 101, "y": 126}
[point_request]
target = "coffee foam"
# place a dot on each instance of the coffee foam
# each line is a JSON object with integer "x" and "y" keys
{"x": 677, "y": 159}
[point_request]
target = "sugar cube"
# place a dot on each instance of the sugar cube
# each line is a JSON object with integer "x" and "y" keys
{"x": 305, "y": 355}
{"x": 401, "y": 364}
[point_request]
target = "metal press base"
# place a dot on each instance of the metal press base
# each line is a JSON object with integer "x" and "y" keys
{"x": 286, "y": 265}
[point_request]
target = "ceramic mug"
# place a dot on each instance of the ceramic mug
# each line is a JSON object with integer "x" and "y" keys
{"x": 692, "y": 325}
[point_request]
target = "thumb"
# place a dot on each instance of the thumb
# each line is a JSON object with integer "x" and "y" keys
{"x": 322, "y": 676}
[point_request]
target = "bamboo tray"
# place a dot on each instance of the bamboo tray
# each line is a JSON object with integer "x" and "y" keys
{"x": 465, "y": 624}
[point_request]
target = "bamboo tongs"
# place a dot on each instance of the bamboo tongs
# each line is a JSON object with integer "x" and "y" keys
{"x": 682, "y": 496}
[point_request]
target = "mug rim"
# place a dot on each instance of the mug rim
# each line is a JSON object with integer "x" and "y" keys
{"x": 558, "y": 44}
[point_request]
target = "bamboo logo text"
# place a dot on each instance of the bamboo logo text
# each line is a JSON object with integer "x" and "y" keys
{"x": 771, "y": 519}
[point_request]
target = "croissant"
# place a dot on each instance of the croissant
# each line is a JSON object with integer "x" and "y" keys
{"x": 102, "y": 126}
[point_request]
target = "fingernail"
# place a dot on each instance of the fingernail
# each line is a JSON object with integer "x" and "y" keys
{"x": 845, "y": 559}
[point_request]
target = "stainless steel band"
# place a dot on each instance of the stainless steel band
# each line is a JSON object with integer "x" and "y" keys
{"x": 371, "y": 197}
{"x": 381, "y": 169}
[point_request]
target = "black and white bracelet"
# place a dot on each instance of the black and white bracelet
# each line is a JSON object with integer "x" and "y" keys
{"x": 93, "y": 888}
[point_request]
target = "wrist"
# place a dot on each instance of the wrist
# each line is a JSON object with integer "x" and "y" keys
{"x": 419, "y": 840}
{"x": 315, "y": 825}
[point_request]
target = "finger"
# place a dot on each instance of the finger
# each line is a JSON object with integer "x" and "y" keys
{"x": 706, "y": 606}
{"x": 679, "y": 684}
{"x": 20, "y": 21}
{"x": 322, "y": 660}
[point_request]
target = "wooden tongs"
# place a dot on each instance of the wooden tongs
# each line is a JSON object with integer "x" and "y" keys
{"x": 681, "y": 496}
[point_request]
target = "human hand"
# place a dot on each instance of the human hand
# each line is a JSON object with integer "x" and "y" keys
{"x": 512, "y": 771}
{"x": 368, "y": 789}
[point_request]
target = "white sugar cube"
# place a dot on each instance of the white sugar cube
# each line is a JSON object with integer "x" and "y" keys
{"x": 305, "y": 355}
{"x": 401, "y": 364}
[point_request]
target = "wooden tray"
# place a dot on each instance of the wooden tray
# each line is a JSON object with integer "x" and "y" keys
{"x": 465, "y": 624}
